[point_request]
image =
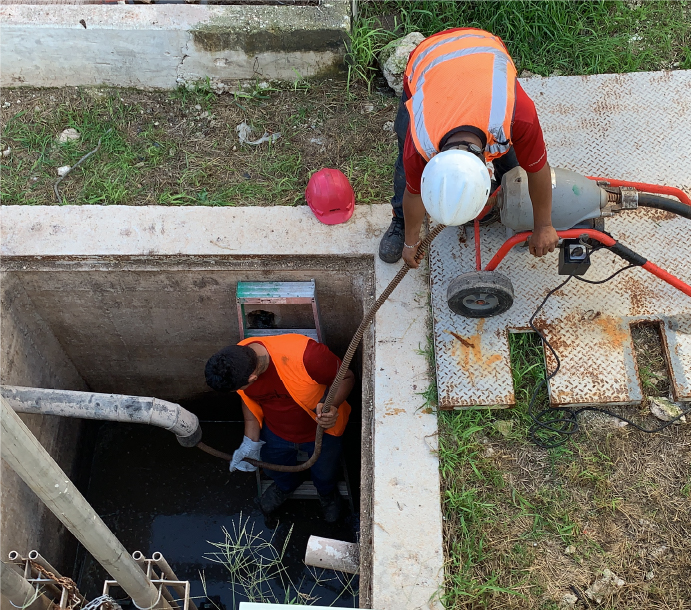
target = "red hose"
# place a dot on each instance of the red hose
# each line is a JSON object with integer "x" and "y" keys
{"x": 668, "y": 277}
{"x": 603, "y": 238}
{"x": 648, "y": 188}
{"x": 478, "y": 254}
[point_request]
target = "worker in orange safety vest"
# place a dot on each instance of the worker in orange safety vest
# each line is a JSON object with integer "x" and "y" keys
{"x": 460, "y": 92}
{"x": 282, "y": 380}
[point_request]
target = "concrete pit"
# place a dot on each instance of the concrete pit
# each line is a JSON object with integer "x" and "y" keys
{"x": 133, "y": 301}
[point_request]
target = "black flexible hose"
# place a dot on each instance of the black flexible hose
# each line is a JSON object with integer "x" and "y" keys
{"x": 658, "y": 202}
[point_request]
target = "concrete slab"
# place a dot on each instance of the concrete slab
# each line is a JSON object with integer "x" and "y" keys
{"x": 405, "y": 533}
{"x": 163, "y": 46}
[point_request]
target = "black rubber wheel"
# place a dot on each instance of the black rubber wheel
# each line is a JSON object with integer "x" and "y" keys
{"x": 480, "y": 294}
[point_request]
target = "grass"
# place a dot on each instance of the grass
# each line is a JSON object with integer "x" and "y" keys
{"x": 181, "y": 148}
{"x": 522, "y": 524}
{"x": 254, "y": 562}
{"x": 543, "y": 37}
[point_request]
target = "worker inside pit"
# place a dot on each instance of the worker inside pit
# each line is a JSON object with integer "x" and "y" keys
{"x": 283, "y": 380}
{"x": 460, "y": 93}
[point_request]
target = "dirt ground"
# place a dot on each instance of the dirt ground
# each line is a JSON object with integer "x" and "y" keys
{"x": 527, "y": 527}
{"x": 183, "y": 147}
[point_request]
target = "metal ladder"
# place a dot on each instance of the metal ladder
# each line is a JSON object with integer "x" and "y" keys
{"x": 277, "y": 293}
{"x": 286, "y": 293}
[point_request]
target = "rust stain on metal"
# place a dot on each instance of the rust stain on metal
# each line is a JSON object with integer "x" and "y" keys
{"x": 642, "y": 297}
{"x": 463, "y": 341}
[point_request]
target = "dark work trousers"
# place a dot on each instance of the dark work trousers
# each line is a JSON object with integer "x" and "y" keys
{"x": 324, "y": 472}
{"x": 501, "y": 165}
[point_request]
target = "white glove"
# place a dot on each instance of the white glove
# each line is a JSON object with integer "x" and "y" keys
{"x": 250, "y": 449}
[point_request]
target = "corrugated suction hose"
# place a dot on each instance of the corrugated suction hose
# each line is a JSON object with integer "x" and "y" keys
{"x": 354, "y": 342}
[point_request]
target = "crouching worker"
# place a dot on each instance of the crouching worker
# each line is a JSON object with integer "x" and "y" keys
{"x": 282, "y": 381}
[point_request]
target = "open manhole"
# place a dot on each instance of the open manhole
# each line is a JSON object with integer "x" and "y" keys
{"x": 146, "y": 326}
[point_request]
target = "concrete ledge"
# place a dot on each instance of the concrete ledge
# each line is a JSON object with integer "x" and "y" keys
{"x": 406, "y": 527}
{"x": 163, "y": 46}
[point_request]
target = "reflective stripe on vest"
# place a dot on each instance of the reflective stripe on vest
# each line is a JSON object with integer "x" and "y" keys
{"x": 501, "y": 102}
{"x": 287, "y": 352}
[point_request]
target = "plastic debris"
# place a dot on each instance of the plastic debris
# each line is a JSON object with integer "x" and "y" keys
{"x": 63, "y": 171}
{"x": 7, "y": 152}
{"x": 244, "y": 132}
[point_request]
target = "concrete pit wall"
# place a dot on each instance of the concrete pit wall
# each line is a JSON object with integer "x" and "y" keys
{"x": 167, "y": 45}
{"x": 126, "y": 299}
{"x": 31, "y": 355}
{"x": 139, "y": 326}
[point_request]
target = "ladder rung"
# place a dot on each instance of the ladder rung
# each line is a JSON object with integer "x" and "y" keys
{"x": 269, "y": 332}
{"x": 307, "y": 490}
{"x": 275, "y": 292}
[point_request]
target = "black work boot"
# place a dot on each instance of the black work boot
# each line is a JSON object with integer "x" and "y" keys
{"x": 331, "y": 505}
{"x": 272, "y": 498}
{"x": 391, "y": 244}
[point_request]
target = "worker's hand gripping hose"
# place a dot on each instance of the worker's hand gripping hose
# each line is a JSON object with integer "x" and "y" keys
{"x": 354, "y": 342}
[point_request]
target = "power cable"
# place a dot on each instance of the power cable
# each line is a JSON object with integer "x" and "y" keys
{"x": 553, "y": 426}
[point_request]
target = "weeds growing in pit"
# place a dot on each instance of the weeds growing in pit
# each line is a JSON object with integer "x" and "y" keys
{"x": 256, "y": 569}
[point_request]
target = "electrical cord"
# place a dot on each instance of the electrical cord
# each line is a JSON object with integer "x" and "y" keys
{"x": 553, "y": 426}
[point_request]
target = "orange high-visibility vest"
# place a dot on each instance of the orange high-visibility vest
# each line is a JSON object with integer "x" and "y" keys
{"x": 461, "y": 78}
{"x": 286, "y": 352}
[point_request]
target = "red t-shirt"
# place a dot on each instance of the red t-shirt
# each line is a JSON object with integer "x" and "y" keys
{"x": 282, "y": 414}
{"x": 526, "y": 136}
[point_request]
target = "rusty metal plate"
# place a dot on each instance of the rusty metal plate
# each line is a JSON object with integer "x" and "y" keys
{"x": 627, "y": 126}
{"x": 588, "y": 325}
{"x": 592, "y": 125}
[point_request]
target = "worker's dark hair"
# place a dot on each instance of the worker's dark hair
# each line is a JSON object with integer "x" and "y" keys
{"x": 230, "y": 369}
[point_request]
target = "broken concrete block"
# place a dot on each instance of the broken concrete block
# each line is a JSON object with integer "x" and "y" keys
{"x": 394, "y": 57}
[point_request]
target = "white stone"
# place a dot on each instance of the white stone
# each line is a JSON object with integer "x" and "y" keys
{"x": 665, "y": 409}
{"x": 388, "y": 127}
{"x": 568, "y": 602}
{"x": 605, "y": 586}
{"x": 62, "y": 171}
{"x": 7, "y": 152}
{"x": 69, "y": 134}
{"x": 394, "y": 57}
{"x": 570, "y": 550}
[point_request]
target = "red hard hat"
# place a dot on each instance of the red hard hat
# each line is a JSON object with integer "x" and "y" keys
{"x": 330, "y": 196}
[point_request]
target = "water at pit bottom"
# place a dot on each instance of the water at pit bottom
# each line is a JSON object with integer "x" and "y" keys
{"x": 156, "y": 495}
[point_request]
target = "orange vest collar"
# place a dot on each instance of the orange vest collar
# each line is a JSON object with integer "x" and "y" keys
{"x": 286, "y": 352}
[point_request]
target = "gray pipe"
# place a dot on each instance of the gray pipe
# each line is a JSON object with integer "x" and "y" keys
{"x": 110, "y": 407}
{"x": 29, "y": 459}
{"x": 19, "y": 591}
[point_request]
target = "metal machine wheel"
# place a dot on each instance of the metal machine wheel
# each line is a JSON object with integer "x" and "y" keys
{"x": 480, "y": 294}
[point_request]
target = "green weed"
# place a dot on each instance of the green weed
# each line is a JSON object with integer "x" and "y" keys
{"x": 546, "y": 37}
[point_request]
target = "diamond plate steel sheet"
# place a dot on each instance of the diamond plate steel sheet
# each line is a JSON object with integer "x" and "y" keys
{"x": 626, "y": 126}
{"x": 592, "y": 125}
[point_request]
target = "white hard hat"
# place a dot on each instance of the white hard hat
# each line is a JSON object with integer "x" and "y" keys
{"x": 455, "y": 187}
